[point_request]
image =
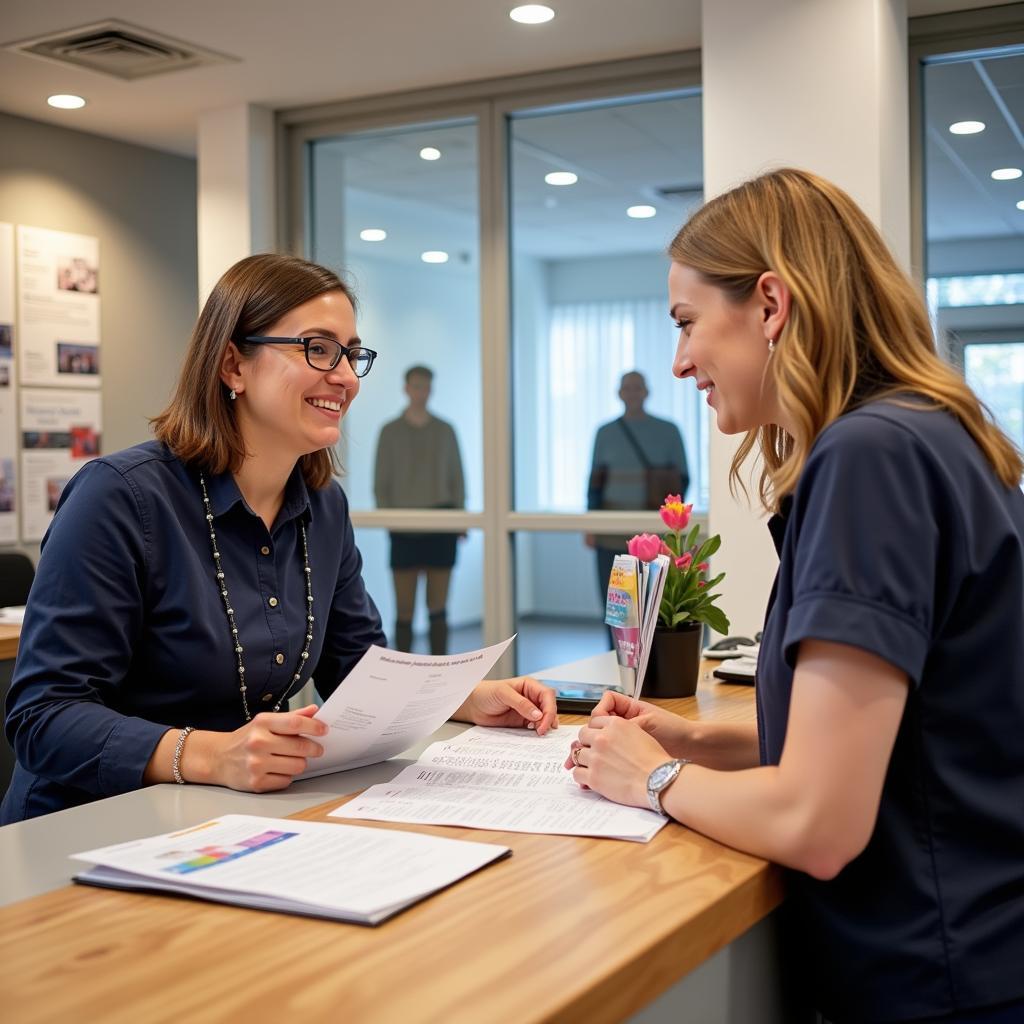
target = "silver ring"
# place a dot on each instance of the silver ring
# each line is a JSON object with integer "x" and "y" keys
{"x": 576, "y": 757}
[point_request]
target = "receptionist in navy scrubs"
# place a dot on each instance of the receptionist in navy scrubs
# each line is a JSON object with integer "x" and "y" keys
{"x": 887, "y": 766}
{"x": 189, "y": 586}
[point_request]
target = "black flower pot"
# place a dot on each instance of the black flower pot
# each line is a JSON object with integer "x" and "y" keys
{"x": 674, "y": 664}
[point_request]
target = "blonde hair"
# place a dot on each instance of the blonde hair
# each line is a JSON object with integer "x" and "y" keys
{"x": 199, "y": 425}
{"x": 857, "y": 328}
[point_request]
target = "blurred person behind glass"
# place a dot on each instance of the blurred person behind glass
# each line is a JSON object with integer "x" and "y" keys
{"x": 637, "y": 460}
{"x": 418, "y": 466}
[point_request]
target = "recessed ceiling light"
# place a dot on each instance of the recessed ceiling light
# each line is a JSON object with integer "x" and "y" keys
{"x": 1020, "y": 205}
{"x": 641, "y": 212}
{"x": 373, "y": 234}
{"x": 65, "y": 101}
{"x": 430, "y": 153}
{"x": 434, "y": 256}
{"x": 531, "y": 14}
{"x": 967, "y": 127}
{"x": 561, "y": 178}
{"x": 1006, "y": 173}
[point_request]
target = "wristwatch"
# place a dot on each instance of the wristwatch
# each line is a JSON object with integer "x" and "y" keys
{"x": 660, "y": 779}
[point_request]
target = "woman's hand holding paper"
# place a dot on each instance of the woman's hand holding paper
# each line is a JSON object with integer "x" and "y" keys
{"x": 522, "y": 701}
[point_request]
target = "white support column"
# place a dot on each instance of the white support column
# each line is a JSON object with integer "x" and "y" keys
{"x": 236, "y": 185}
{"x": 820, "y": 85}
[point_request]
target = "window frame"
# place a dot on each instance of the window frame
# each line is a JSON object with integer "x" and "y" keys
{"x": 490, "y": 103}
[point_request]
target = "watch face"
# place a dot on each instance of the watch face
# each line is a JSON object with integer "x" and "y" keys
{"x": 661, "y": 775}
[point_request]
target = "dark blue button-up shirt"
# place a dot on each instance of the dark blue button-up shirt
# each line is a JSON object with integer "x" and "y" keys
{"x": 900, "y": 540}
{"x": 126, "y": 636}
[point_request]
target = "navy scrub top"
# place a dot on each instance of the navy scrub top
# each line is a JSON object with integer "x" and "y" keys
{"x": 126, "y": 636}
{"x": 899, "y": 540}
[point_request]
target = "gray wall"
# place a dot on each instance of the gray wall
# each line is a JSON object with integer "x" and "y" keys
{"x": 141, "y": 204}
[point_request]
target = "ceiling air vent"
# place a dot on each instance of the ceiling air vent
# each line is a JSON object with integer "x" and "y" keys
{"x": 682, "y": 193}
{"x": 119, "y": 49}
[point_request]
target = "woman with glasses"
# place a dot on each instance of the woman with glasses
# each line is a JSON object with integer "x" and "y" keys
{"x": 189, "y": 586}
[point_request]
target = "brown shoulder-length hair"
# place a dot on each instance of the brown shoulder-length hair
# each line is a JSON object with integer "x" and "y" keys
{"x": 857, "y": 326}
{"x": 199, "y": 425}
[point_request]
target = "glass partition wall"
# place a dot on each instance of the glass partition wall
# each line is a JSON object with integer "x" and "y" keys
{"x": 508, "y": 255}
{"x": 973, "y": 217}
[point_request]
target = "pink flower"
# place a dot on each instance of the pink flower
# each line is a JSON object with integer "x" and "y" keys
{"x": 674, "y": 514}
{"x": 702, "y": 583}
{"x": 666, "y": 550}
{"x": 645, "y": 546}
{"x": 684, "y": 560}
{"x": 703, "y": 566}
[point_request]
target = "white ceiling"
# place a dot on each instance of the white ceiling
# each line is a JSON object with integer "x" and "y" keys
{"x": 962, "y": 201}
{"x": 311, "y": 51}
{"x": 624, "y": 155}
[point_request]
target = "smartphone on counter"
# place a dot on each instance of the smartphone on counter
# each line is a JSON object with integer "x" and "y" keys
{"x": 578, "y": 698}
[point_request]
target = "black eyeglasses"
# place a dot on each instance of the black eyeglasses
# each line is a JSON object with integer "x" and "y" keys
{"x": 325, "y": 353}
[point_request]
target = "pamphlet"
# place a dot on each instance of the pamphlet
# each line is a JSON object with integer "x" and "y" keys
{"x": 634, "y": 597}
{"x": 622, "y": 614}
{"x": 391, "y": 700}
{"x": 313, "y": 868}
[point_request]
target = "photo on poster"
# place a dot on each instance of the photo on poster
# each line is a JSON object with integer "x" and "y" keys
{"x": 78, "y": 274}
{"x": 54, "y": 486}
{"x": 49, "y": 439}
{"x": 7, "y": 485}
{"x": 75, "y": 358}
{"x": 85, "y": 442}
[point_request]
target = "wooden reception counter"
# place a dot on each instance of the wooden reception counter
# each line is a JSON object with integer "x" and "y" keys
{"x": 567, "y": 929}
{"x": 9, "y": 636}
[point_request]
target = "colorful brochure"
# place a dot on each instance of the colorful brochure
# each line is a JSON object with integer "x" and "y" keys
{"x": 634, "y": 597}
{"x": 313, "y": 868}
{"x": 622, "y": 614}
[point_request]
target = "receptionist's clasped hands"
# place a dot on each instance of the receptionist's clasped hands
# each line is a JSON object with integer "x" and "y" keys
{"x": 622, "y": 745}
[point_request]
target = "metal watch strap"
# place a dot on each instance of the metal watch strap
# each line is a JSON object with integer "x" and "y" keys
{"x": 654, "y": 791}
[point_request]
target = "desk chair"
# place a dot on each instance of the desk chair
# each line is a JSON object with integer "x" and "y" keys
{"x": 16, "y": 575}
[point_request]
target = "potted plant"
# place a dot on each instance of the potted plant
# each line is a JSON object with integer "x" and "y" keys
{"x": 687, "y": 604}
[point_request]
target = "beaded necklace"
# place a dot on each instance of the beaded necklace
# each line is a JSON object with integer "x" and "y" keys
{"x": 235, "y": 639}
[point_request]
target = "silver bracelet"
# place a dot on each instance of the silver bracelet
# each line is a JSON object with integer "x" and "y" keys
{"x": 178, "y": 748}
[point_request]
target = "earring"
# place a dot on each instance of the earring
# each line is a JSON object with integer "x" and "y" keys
{"x": 232, "y": 395}
{"x": 771, "y": 347}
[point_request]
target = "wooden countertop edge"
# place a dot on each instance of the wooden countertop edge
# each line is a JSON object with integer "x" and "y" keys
{"x": 9, "y": 642}
{"x": 652, "y": 970}
{"x": 633, "y": 985}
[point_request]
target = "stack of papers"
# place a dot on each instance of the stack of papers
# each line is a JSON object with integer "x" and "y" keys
{"x": 634, "y": 597}
{"x": 508, "y": 780}
{"x": 12, "y": 615}
{"x": 314, "y": 868}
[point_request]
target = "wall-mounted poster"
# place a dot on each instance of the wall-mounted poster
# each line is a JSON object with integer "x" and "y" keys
{"x": 59, "y": 309}
{"x": 60, "y": 432}
{"x": 8, "y": 410}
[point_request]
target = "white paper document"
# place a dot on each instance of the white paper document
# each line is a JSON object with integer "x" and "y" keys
{"x": 301, "y": 867}
{"x": 391, "y": 700}
{"x": 508, "y": 780}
